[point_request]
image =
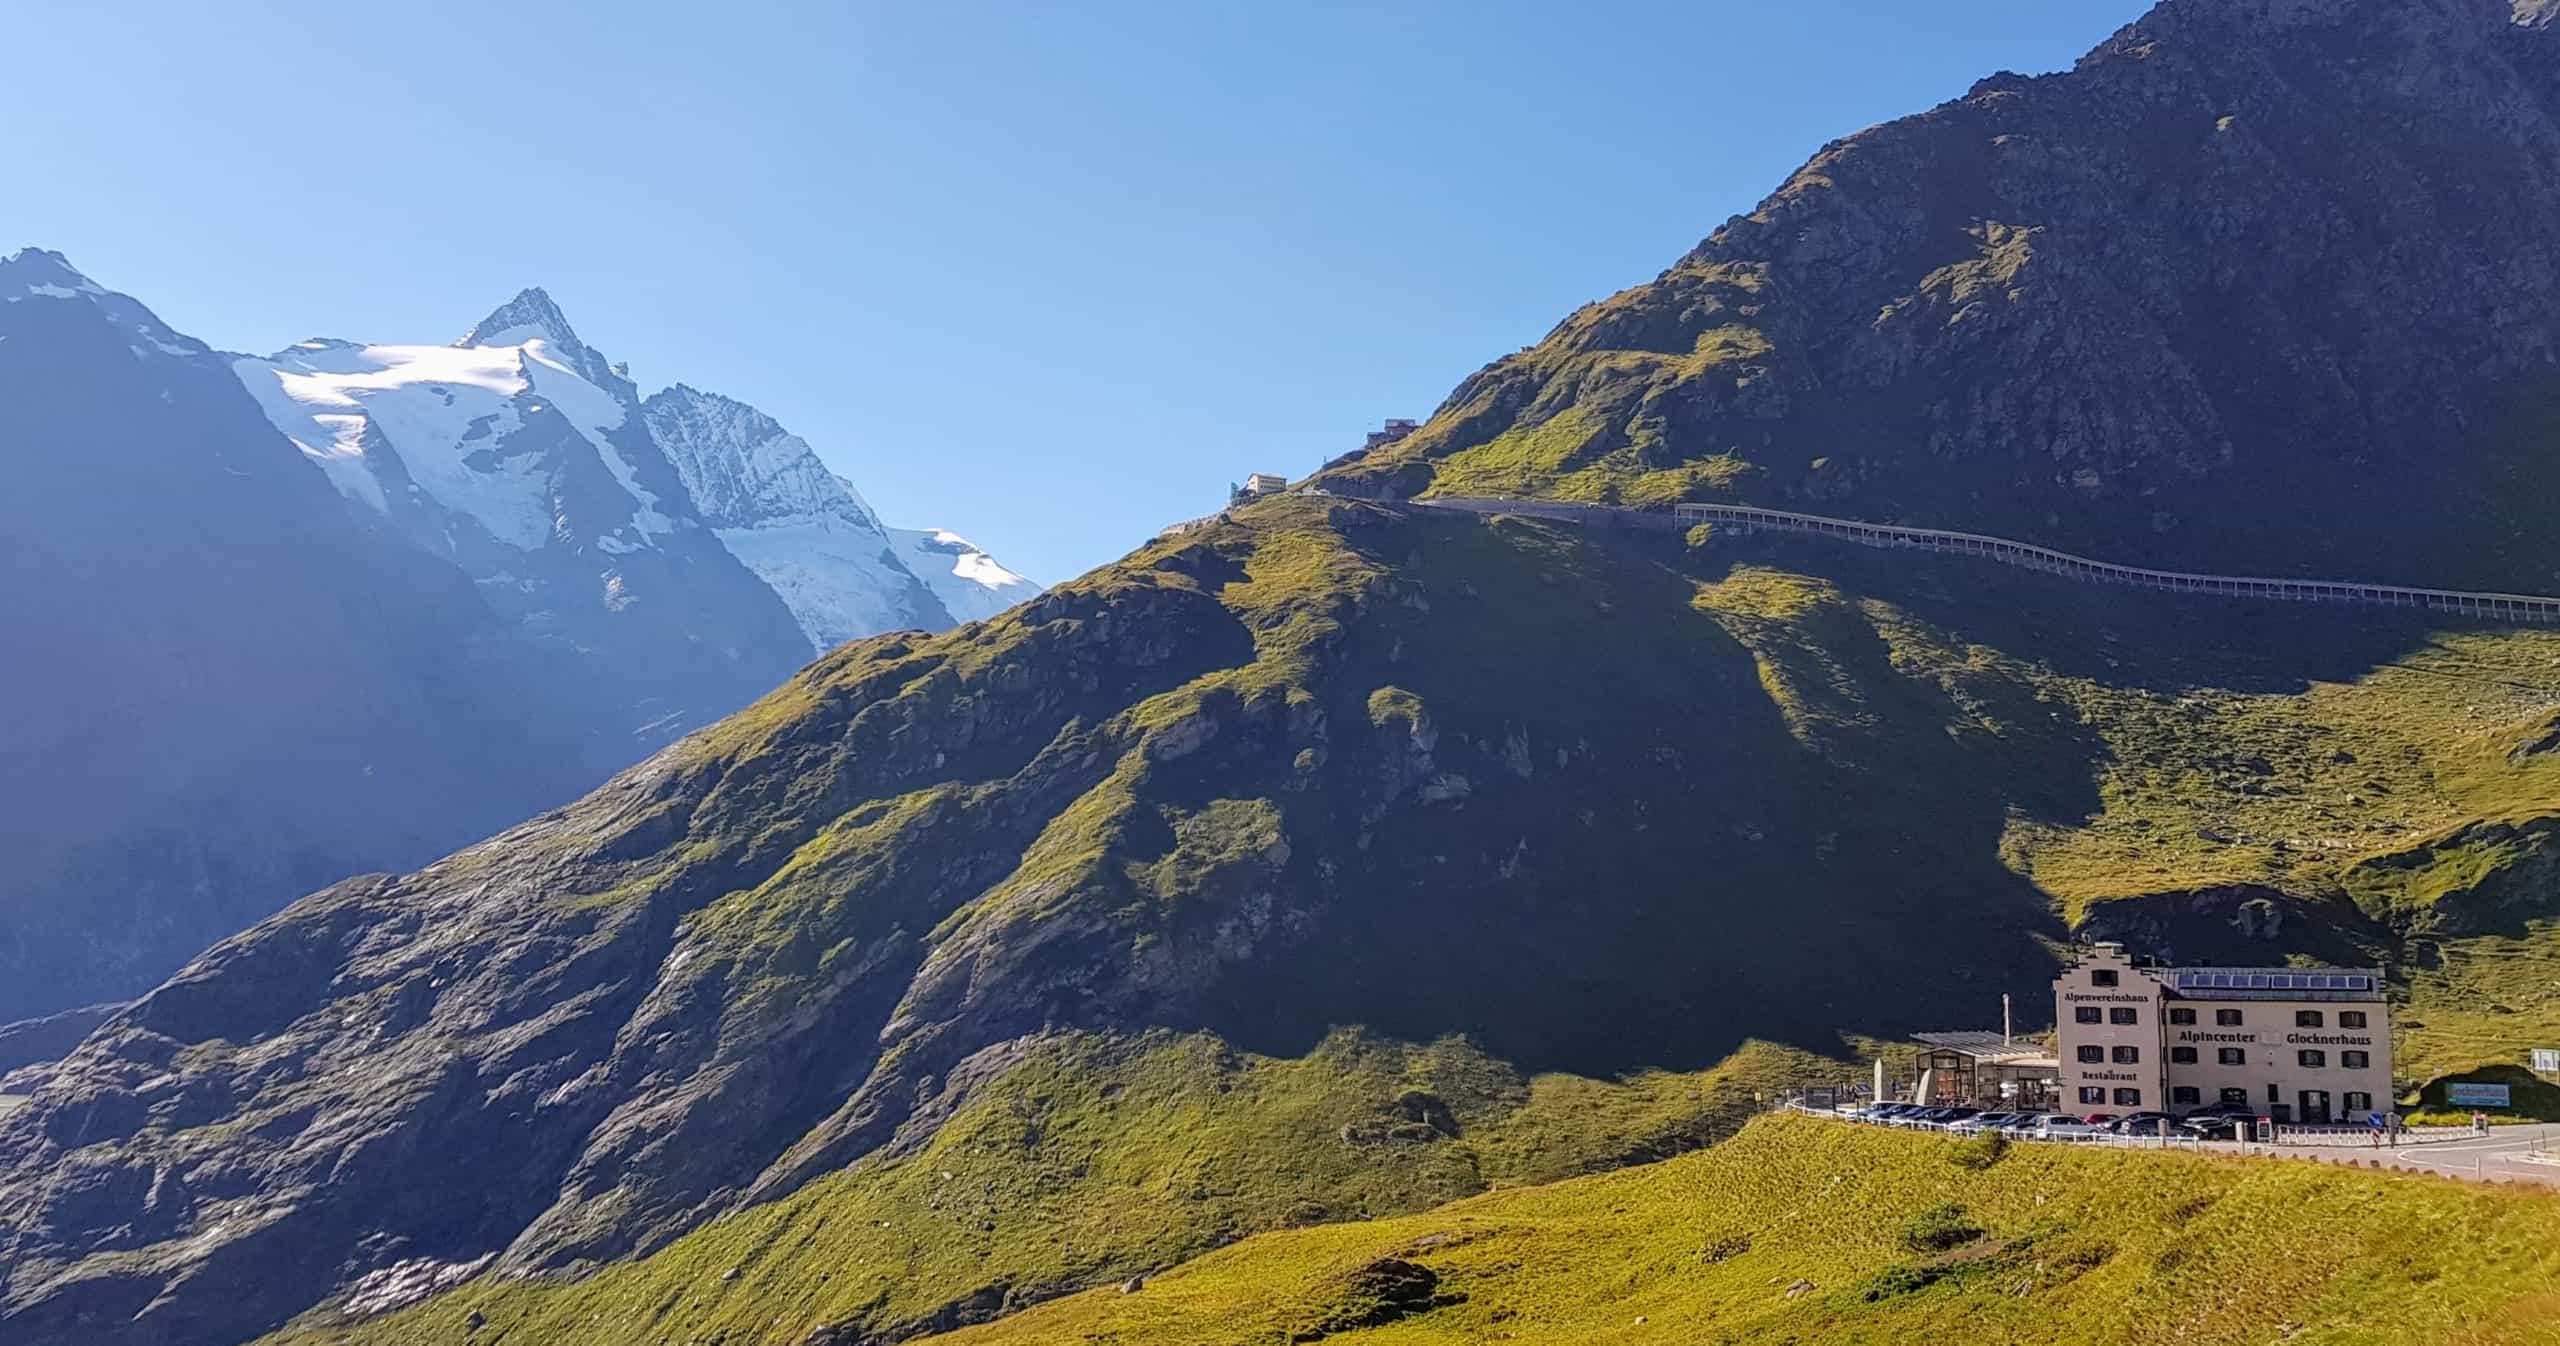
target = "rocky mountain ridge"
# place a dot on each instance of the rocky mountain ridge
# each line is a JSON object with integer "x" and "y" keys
{"x": 503, "y": 592}
{"x": 2253, "y": 250}
{"x": 455, "y": 444}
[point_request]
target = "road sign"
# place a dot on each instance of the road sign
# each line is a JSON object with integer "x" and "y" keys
{"x": 2477, "y": 1095}
{"x": 2546, "y": 1060}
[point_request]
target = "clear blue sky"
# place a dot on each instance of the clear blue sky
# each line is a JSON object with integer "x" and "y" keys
{"x": 1050, "y": 274}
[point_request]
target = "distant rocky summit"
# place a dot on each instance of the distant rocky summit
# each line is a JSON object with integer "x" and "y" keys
{"x": 342, "y": 608}
{"x": 2240, "y": 293}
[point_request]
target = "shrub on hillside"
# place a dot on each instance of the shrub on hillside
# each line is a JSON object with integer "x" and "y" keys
{"x": 1893, "y": 1281}
{"x": 1939, "y": 1228}
{"x": 1981, "y": 1151}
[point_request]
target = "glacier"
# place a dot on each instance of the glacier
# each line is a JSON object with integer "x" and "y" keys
{"x": 459, "y": 446}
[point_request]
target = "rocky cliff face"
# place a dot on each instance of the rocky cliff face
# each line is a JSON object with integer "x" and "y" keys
{"x": 2248, "y": 251}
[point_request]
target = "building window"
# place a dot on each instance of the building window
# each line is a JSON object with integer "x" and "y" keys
{"x": 2231, "y": 1056}
{"x": 2354, "y": 1060}
{"x": 2103, "y": 977}
{"x": 2236, "y": 1096}
{"x": 2351, "y": 1018}
{"x": 2358, "y": 1101}
{"x": 2128, "y": 1098}
{"x": 2182, "y": 1056}
{"x": 2185, "y": 1094}
{"x": 2090, "y": 1093}
{"x": 2093, "y": 1054}
{"x": 2087, "y": 1014}
{"x": 2227, "y": 1018}
{"x": 2306, "y": 1019}
{"x": 2126, "y": 1056}
{"x": 2312, "y": 1057}
{"x": 2182, "y": 1016}
{"x": 2275, "y": 1095}
{"x": 2123, "y": 1016}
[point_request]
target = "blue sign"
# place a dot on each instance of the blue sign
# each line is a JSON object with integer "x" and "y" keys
{"x": 2476, "y": 1095}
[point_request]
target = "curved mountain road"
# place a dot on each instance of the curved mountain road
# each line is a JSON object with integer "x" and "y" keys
{"x": 2532, "y": 609}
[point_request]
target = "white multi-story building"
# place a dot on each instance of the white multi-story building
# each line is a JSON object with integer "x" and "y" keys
{"x": 2297, "y": 1044}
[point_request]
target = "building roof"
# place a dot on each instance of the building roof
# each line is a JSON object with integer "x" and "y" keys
{"x": 2270, "y": 983}
{"x": 1982, "y": 1045}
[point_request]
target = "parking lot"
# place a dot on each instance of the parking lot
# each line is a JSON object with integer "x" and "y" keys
{"x": 2513, "y": 1153}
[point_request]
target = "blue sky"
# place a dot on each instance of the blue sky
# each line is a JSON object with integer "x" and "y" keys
{"x": 1050, "y": 275}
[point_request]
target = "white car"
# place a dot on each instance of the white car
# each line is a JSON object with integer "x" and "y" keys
{"x": 1982, "y": 1121}
{"x": 2058, "y": 1127}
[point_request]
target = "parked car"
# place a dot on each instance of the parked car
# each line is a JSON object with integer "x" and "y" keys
{"x": 2064, "y": 1128}
{"x": 2026, "y": 1124}
{"x": 1883, "y": 1112}
{"x": 2099, "y": 1119}
{"x": 2143, "y": 1124}
{"x": 2222, "y": 1121}
{"x": 1982, "y": 1121}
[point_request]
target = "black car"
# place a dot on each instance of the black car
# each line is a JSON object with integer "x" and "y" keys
{"x": 2143, "y": 1124}
{"x": 2222, "y": 1121}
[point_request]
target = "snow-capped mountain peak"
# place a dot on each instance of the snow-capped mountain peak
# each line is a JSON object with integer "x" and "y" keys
{"x": 530, "y": 314}
{"x": 742, "y": 467}
{"x": 795, "y": 524}
{"x": 42, "y": 273}
{"x": 777, "y": 507}
{"x": 531, "y": 317}
{"x": 522, "y": 455}
{"x": 971, "y": 585}
{"x": 34, "y": 274}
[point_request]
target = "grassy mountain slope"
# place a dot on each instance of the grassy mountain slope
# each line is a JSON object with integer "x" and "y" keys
{"x": 1805, "y": 1231}
{"x": 2248, "y": 251}
{"x": 1935, "y": 730}
{"x": 1089, "y": 1160}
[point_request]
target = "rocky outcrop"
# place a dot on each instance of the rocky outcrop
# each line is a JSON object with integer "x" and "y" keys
{"x": 2248, "y": 250}
{"x": 49, "y": 1037}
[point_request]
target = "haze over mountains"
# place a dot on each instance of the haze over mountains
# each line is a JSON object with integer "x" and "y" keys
{"x": 345, "y": 607}
{"x": 1338, "y": 859}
